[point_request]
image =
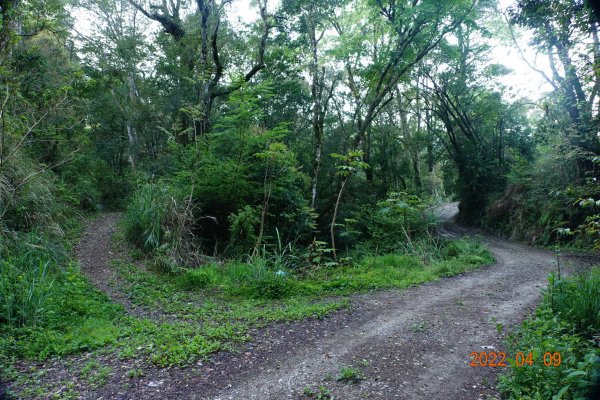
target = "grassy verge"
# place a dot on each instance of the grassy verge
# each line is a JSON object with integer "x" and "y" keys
{"x": 566, "y": 323}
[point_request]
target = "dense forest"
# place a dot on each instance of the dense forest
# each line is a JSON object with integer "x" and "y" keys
{"x": 261, "y": 162}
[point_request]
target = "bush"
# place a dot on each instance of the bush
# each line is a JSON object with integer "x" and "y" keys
{"x": 165, "y": 264}
{"x": 157, "y": 221}
{"x": 400, "y": 219}
{"x": 463, "y": 248}
{"x": 198, "y": 278}
{"x": 256, "y": 280}
{"x": 90, "y": 183}
{"x": 272, "y": 286}
{"x": 145, "y": 216}
{"x": 24, "y": 291}
{"x": 27, "y": 273}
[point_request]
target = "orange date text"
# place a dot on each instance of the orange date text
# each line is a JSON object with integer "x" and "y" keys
{"x": 499, "y": 359}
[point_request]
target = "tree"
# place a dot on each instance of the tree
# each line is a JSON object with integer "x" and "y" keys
{"x": 477, "y": 123}
{"x": 350, "y": 164}
{"x": 117, "y": 52}
{"x": 381, "y": 42}
{"x": 313, "y": 20}
{"x": 564, "y": 30}
{"x": 210, "y": 67}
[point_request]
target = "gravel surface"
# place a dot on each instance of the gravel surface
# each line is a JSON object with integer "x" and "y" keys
{"x": 411, "y": 344}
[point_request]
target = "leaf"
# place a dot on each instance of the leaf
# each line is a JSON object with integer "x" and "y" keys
{"x": 575, "y": 373}
{"x": 561, "y": 393}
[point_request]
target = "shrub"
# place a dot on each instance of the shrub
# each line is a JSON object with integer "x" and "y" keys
{"x": 144, "y": 219}
{"x": 350, "y": 375}
{"x": 272, "y": 286}
{"x": 242, "y": 226}
{"x": 28, "y": 269}
{"x": 165, "y": 264}
{"x": 256, "y": 280}
{"x": 570, "y": 380}
{"x": 157, "y": 221}
{"x": 463, "y": 248}
{"x": 402, "y": 218}
{"x": 198, "y": 278}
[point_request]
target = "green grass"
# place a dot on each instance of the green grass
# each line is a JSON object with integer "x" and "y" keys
{"x": 349, "y": 374}
{"x": 564, "y": 323}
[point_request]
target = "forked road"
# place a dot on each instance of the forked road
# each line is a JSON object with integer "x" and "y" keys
{"x": 415, "y": 343}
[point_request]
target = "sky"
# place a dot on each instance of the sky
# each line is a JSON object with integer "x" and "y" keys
{"x": 522, "y": 81}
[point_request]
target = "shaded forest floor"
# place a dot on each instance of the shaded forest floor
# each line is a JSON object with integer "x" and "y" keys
{"x": 410, "y": 344}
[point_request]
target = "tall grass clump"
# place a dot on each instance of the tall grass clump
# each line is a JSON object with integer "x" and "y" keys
{"x": 577, "y": 301}
{"x": 24, "y": 290}
{"x": 158, "y": 221}
{"x": 27, "y": 272}
{"x": 145, "y": 216}
{"x": 259, "y": 278}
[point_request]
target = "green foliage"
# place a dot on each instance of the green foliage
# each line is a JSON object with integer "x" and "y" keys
{"x": 321, "y": 393}
{"x": 243, "y": 225}
{"x": 157, "y": 220}
{"x": 257, "y": 279}
{"x": 28, "y": 270}
{"x": 577, "y": 301}
{"x": 76, "y": 318}
{"x": 562, "y": 324}
{"x": 316, "y": 254}
{"x": 199, "y": 278}
{"x": 393, "y": 222}
{"x": 88, "y": 182}
{"x": 24, "y": 292}
{"x": 145, "y": 217}
{"x": 350, "y": 163}
{"x": 395, "y": 270}
{"x": 350, "y": 374}
{"x": 544, "y": 204}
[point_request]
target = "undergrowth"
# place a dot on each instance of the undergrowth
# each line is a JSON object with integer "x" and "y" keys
{"x": 565, "y": 323}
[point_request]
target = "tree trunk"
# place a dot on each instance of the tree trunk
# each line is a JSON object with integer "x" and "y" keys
{"x": 416, "y": 171}
{"x": 367, "y": 159}
{"x": 131, "y": 144}
{"x": 335, "y": 211}
{"x": 315, "y": 175}
{"x": 263, "y": 215}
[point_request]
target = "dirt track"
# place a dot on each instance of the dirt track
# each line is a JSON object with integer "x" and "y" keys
{"x": 417, "y": 342}
{"x": 413, "y": 344}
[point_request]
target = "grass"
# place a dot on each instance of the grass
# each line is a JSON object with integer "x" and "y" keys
{"x": 321, "y": 393}
{"x": 564, "y": 323}
{"x": 350, "y": 374}
{"x": 420, "y": 327}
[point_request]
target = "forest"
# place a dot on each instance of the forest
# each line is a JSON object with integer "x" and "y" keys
{"x": 299, "y": 199}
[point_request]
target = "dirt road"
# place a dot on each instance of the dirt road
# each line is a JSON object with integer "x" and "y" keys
{"x": 411, "y": 344}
